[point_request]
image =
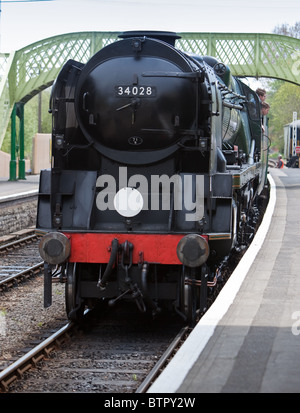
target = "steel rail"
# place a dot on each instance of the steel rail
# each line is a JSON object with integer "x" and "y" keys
{"x": 154, "y": 373}
{"x": 28, "y": 272}
{"x": 17, "y": 243}
{"x": 30, "y": 359}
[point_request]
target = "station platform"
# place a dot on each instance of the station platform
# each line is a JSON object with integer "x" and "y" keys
{"x": 249, "y": 340}
{"x": 10, "y": 190}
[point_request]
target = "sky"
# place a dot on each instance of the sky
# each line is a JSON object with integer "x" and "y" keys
{"x": 26, "y": 22}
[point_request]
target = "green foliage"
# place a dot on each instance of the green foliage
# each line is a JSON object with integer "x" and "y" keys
{"x": 283, "y": 97}
{"x": 284, "y": 103}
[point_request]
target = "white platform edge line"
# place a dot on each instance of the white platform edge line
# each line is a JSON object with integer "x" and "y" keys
{"x": 17, "y": 195}
{"x": 176, "y": 371}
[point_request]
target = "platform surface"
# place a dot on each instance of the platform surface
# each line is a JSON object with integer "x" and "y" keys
{"x": 13, "y": 189}
{"x": 250, "y": 341}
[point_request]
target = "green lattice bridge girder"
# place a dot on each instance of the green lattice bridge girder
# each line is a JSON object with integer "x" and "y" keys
{"x": 28, "y": 71}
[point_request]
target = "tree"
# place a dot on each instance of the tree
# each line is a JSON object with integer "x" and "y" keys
{"x": 283, "y": 97}
{"x": 284, "y": 102}
{"x": 287, "y": 30}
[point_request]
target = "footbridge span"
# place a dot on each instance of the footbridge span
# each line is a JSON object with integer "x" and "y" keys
{"x": 26, "y": 72}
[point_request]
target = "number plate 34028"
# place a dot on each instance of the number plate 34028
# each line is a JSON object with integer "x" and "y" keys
{"x": 131, "y": 91}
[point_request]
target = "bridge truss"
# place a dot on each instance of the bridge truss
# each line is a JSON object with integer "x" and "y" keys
{"x": 28, "y": 71}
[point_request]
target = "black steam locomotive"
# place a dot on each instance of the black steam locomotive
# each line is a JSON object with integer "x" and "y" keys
{"x": 158, "y": 160}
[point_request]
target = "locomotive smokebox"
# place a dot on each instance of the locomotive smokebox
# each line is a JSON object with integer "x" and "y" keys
{"x": 137, "y": 96}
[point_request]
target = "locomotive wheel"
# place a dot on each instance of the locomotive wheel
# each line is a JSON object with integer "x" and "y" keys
{"x": 74, "y": 304}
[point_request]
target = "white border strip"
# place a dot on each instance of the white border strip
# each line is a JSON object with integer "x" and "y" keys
{"x": 18, "y": 195}
{"x": 175, "y": 372}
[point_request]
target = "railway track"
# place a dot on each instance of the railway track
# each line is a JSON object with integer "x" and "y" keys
{"x": 19, "y": 260}
{"x": 118, "y": 354}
